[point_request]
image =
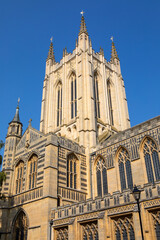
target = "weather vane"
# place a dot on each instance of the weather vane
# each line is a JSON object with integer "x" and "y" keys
{"x": 112, "y": 38}
{"x": 18, "y": 102}
{"x": 51, "y": 39}
{"x": 82, "y": 13}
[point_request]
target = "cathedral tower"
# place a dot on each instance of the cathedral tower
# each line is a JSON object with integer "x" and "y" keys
{"x": 84, "y": 95}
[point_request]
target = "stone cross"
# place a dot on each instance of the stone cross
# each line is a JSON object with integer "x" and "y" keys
{"x": 51, "y": 39}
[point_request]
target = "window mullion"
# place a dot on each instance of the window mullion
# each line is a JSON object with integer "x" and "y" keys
{"x": 102, "y": 182}
{"x": 124, "y": 163}
{"x": 150, "y": 152}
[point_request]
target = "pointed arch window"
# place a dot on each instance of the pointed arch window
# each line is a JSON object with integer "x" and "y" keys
{"x": 19, "y": 177}
{"x": 32, "y": 172}
{"x": 151, "y": 160}
{"x": 96, "y": 96}
{"x": 110, "y": 102}
{"x": 125, "y": 171}
{"x": 72, "y": 171}
{"x": 73, "y": 96}
{"x": 62, "y": 233}
{"x": 59, "y": 105}
{"x": 90, "y": 231}
{"x": 20, "y": 227}
{"x": 101, "y": 173}
{"x": 124, "y": 228}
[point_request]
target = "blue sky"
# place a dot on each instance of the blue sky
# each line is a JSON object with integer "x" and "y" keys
{"x": 27, "y": 26}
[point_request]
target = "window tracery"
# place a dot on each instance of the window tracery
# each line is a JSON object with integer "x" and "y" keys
{"x": 151, "y": 160}
{"x": 59, "y": 105}
{"x": 19, "y": 177}
{"x": 90, "y": 231}
{"x": 73, "y": 96}
{"x": 96, "y": 96}
{"x": 125, "y": 171}
{"x": 101, "y": 172}
{"x": 124, "y": 228}
{"x": 62, "y": 233}
{"x": 32, "y": 171}
{"x": 156, "y": 221}
{"x": 72, "y": 171}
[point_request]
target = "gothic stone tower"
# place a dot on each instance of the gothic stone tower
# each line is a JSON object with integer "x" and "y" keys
{"x": 84, "y": 95}
{"x": 83, "y": 104}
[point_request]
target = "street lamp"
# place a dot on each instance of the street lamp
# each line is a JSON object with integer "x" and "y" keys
{"x": 137, "y": 194}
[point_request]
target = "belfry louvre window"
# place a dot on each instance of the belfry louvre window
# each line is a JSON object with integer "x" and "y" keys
{"x": 96, "y": 96}
{"x": 125, "y": 171}
{"x": 110, "y": 103}
{"x": 73, "y": 96}
{"x": 62, "y": 233}
{"x": 72, "y": 171}
{"x": 19, "y": 177}
{"x": 151, "y": 160}
{"x": 101, "y": 172}
{"x": 124, "y": 228}
{"x": 156, "y": 221}
{"x": 32, "y": 167}
{"x": 90, "y": 231}
{"x": 59, "y": 105}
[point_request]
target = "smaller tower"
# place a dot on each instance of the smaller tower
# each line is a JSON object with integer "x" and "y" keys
{"x": 15, "y": 126}
{"x": 14, "y": 135}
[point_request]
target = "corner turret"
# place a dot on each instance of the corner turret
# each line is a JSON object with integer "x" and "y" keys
{"x": 15, "y": 126}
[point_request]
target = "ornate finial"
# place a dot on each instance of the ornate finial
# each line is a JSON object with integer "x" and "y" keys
{"x": 114, "y": 54}
{"x": 83, "y": 28}
{"x": 30, "y": 120}
{"x": 82, "y": 13}
{"x": 90, "y": 43}
{"x": 111, "y": 38}
{"x": 51, "y": 52}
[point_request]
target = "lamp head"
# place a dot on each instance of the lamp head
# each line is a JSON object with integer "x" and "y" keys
{"x": 136, "y": 193}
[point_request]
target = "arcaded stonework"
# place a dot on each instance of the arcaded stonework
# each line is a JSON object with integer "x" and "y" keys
{"x": 73, "y": 179}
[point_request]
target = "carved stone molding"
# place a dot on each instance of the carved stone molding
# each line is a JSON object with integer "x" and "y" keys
{"x": 123, "y": 209}
{"x": 151, "y": 203}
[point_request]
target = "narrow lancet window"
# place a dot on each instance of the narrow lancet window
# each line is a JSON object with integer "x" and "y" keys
{"x": 73, "y": 96}
{"x": 59, "y": 106}
{"x": 101, "y": 172}
{"x": 125, "y": 171}
{"x": 19, "y": 177}
{"x": 32, "y": 174}
{"x": 96, "y": 96}
{"x": 72, "y": 171}
{"x": 110, "y": 103}
{"x": 151, "y": 160}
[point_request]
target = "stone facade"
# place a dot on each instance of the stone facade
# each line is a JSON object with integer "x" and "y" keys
{"x": 73, "y": 179}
